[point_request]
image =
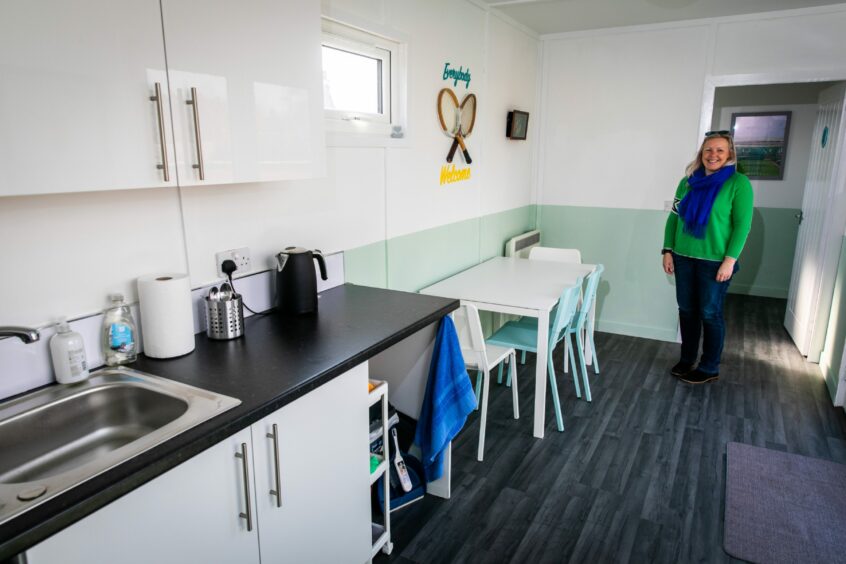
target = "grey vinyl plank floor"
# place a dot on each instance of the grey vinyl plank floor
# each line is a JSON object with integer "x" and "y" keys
{"x": 638, "y": 475}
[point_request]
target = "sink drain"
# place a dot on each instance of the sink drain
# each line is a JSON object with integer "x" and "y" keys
{"x": 32, "y": 493}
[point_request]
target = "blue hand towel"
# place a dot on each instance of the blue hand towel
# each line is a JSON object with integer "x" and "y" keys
{"x": 448, "y": 401}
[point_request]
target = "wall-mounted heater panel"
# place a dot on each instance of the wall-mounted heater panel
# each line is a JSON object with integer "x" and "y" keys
{"x": 520, "y": 245}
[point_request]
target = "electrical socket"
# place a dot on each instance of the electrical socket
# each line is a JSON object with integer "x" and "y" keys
{"x": 241, "y": 257}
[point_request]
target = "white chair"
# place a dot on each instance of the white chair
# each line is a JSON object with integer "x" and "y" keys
{"x": 482, "y": 358}
{"x": 555, "y": 254}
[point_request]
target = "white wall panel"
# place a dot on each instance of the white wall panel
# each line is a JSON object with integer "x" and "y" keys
{"x": 621, "y": 116}
{"x": 371, "y": 10}
{"x": 416, "y": 200}
{"x": 344, "y": 210}
{"x": 774, "y": 44}
{"x": 512, "y": 65}
{"x": 62, "y": 254}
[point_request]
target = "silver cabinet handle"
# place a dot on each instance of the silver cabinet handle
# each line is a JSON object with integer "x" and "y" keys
{"x": 245, "y": 465}
{"x": 278, "y": 491}
{"x": 193, "y": 102}
{"x": 157, "y": 98}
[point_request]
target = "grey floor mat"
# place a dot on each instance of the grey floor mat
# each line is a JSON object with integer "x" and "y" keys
{"x": 784, "y": 507}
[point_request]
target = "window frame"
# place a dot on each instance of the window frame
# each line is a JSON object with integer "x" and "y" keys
{"x": 337, "y": 35}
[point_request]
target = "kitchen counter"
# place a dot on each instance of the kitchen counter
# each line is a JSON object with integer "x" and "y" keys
{"x": 278, "y": 360}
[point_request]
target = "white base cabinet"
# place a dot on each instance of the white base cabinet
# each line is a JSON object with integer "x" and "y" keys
{"x": 189, "y": 514}
{"x": 197, "y": 512}
{"x": 324, "y": 462}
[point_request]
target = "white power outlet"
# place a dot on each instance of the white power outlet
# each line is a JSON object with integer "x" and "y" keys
{"x": 241, "y": 257}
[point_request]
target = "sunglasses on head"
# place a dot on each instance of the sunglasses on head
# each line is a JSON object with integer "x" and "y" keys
{"x": 720, "y": 132}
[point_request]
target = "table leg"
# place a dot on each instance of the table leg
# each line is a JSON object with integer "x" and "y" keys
{"x": 540, "y": 373}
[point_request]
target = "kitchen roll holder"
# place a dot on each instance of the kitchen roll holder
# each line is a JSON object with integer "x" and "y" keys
{"x": 225, "y": 318}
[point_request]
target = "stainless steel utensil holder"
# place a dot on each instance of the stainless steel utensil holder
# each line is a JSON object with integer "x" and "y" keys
{"x": 225, "y": 318}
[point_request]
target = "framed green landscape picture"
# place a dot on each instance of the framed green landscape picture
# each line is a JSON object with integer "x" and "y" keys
{"x": 760, "y": 139}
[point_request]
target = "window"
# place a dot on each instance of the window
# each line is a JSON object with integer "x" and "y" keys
{"x": 359, "y": 78}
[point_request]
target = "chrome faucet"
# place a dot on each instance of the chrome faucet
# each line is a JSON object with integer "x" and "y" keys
{"x": 25, "y": 334}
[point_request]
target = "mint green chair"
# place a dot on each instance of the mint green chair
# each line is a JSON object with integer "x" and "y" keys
{"x": 581, "y": 324}
{"x": 523, "y": 336}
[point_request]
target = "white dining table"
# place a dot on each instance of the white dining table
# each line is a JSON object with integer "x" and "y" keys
{"x": 519, "y": 287}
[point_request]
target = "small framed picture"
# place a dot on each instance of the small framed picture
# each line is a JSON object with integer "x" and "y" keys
{"x": 517, "y": 125}
{"x": 760, "y": 139}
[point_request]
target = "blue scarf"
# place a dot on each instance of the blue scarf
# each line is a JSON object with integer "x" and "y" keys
{"x": 695, "y": 207}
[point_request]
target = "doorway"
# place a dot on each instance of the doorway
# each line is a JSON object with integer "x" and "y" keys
{"x": 779, "y": 231}
{"x": 768, "y": 256}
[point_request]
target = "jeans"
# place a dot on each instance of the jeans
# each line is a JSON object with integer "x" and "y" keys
{"x": 700, "y": 298}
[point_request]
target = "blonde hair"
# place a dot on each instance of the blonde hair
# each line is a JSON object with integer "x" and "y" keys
{"x": 697, "y": 162}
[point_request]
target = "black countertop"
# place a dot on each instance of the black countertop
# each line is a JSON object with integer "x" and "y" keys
{"x": 276, "y": 361}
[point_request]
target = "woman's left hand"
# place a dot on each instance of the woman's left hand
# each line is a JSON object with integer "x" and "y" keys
{"x": 726, "y": 269}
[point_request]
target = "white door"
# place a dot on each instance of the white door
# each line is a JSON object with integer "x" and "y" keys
{"x": 255, "y": 68}
{"x": 324, "y": 476}
{"x": 189, "y": 514}
{"x": 813, "y": 274}
{"x": 75, "y": 85}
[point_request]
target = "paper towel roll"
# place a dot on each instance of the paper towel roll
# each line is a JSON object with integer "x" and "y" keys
{"x": 167, "y": 319}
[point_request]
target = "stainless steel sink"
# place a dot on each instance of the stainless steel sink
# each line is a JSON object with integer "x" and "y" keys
{"x": 60, "y": 436}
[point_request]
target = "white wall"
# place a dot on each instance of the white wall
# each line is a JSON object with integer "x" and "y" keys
{"x": 63, "y": 253}
{"x": 624, "y": 106}
{"x": 621, "y": 113}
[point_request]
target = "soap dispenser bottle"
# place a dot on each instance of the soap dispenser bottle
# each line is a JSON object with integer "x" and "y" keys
{"x": 120, "y": 343}
{"x": 68, "y": 353}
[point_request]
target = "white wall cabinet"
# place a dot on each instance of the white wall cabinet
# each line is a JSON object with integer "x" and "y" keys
{"x": 256, "y": 69}
{"x": 189, "y": 514}
{"x": 197, "y": 511}
{"x": 76, "y": 81}
{"x": 75, "y": 86}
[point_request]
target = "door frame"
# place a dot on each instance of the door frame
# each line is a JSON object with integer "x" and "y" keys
{"x": 835, "y": 220}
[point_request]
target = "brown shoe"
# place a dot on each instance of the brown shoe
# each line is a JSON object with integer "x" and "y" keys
{"x": 699, "y": 377}
{"x": 681, "y": 369}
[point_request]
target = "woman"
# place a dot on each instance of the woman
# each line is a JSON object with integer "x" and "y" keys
{"x": 703, "y": 238}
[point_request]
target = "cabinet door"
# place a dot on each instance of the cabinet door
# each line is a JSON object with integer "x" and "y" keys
{"x": 256, "y": 67}
{"x": 75, "y": 85}
{"x": 189, "y": 514}
{"x": 324, "y": 473}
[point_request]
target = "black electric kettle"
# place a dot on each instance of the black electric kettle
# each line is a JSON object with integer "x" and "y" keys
{"x": 296, "y": 283}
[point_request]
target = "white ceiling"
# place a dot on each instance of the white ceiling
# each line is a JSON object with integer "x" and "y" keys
{"x": 556, "y": 16}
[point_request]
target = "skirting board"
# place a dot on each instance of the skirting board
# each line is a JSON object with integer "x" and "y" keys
{"x": 642, "y": 331}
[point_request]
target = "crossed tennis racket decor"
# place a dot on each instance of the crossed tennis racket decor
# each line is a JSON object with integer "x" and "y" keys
{"x": 457, "y": 120}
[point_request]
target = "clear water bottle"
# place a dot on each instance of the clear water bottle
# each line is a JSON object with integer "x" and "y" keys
{"x": 120, "y": 338}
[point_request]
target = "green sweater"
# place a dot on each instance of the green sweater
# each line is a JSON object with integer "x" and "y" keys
{"x": 728, "y": 225}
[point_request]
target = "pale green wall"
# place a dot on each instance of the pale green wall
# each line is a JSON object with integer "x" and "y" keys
{"x": 635, "y": 297}
{"x": 767, "y": 259}
{"x": 835, "y": 338}
{"x": 417, "y": 260}
{"x": 367, "y": 265}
